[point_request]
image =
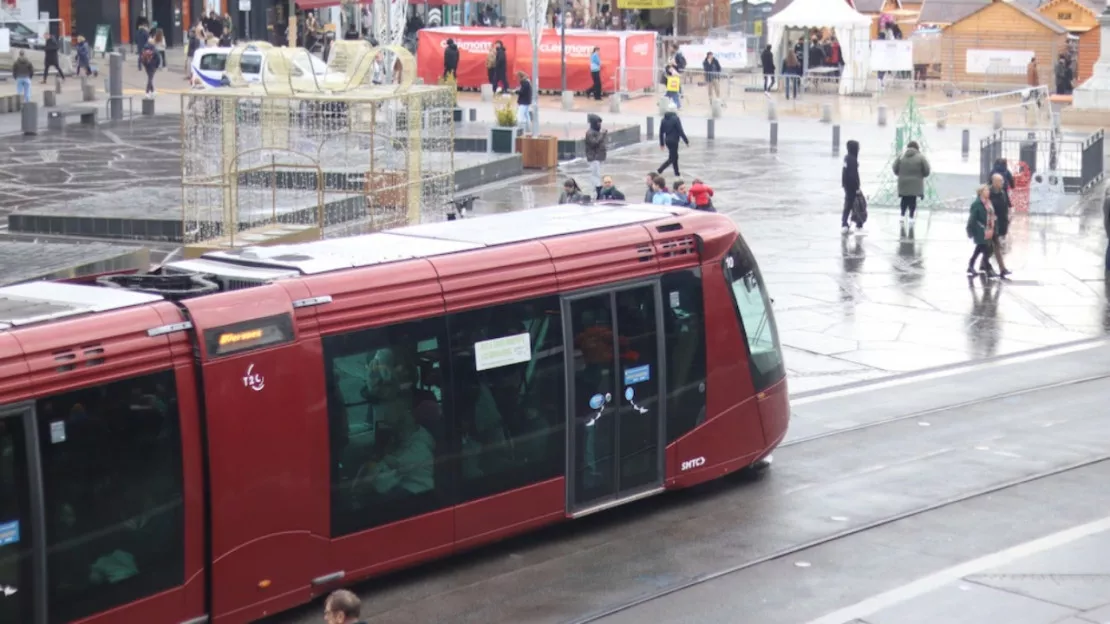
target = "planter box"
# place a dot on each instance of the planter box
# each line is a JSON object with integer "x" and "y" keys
{"x": 538, "y": 152}
{"x": 501, "y": 140}
{"x": 457, "y": 115}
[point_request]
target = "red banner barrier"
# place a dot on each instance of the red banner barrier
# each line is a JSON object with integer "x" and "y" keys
{"x": 617, "y": 49}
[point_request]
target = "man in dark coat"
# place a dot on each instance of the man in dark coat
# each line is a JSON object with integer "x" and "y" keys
{"x": 50, "y": 50}
{"x": 596, "y": 150}
{"x": 670, "y": 133}
{"x": 500, "y": 69}
{"x": 849, "y": 181}
{"x": 451, "y": 60}
{"x": 767, "y": 59}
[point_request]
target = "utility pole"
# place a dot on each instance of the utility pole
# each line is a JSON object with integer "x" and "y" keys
{"x": 291, "y": 32}
{"x": 563, "y": 48}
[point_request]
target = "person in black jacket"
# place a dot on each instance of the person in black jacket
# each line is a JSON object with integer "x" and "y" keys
{"x": 767, "y": 59}
{"x": 849, "y": 181}
{"x": 712, "y": 68}
{"x": 50, "y": 49}
{"x": 524, "y": 102}
{"x": 670, "y": 132}
{"x": 451, "y": 60}
{"x": 500, "y": 67}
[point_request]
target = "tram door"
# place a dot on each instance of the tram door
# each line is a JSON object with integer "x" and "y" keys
{"x": 17, "y": 590}
{"x": 615, "y": 438}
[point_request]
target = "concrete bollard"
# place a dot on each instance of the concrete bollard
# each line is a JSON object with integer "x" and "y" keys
{"x": 882, "y": 114}
{"x": 7, "y": 105}
{"x": 487, "y": 93}
{"x": 88, "y": 92}
{"x": 710, "y": 129}
{"x": 997, "y": 120}
{"x": 568, "y": 100}
{"x": 30, "y": 119}
{"x": 942, "y": 119}
{"x": 57, "y": 84}
{"x": 49, "y": 99}
{"x": 826, "y": 113}
{"x": 715, "y": 108}
{"x": 473, "y": 114}
{"x": 836, "y": 139}
{"x": 965, "y": 142}
{"x": 148, "y": 106}
{"x": 772, "y": 111}
{"x": 615, "y": 103}
{"x": 115, "y": 86}
{"x": 650, "y": 127}
{"x": 774, "y": 135}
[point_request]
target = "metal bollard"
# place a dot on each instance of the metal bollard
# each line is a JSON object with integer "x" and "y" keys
{"x": 568, "y": 100}
{"x": 836, "y": 139}
{"x": 615, "y": 103}
{"x": 473, "y": 116}
{"x": 772, "y": 111}
{"x": 710, "y": 129}
{"x": 115, "y": 86}
{"x": 826, "y": 113}
{"x": 882, "y": 114}
{"x": 487, "y": 93}
{"x": 997, "y": 120}
{"x": 715, "y": 108}
{"x": 49, "y": 99}
{"x": 942, "y": 119}
{"x": 650, "y": 127}
{"x": 774, "y": 136}
{"x": 965, "y": 142}
{"x": 148, "y": 106}
{"x": 88, "y": 92}
{"x": 30, "y": 119}
{"x": 57, "y": 84}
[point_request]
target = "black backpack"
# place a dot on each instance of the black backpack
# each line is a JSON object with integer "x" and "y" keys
{"x": 859, "y": 209}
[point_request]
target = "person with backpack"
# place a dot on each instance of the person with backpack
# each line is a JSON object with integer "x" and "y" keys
{"x": 849, "y": 181}
{"x": 142, "y": 37}
{"x": 150, "y": 61}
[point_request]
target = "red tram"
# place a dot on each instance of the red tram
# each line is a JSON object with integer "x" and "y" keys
{"x": 343, "y": 408}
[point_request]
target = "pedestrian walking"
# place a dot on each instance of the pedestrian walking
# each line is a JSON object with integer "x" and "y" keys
{"x": 609, "y": 191}
{"x": 84, "y": 56}
{"x": 1032, "y": 79}
{"x": 1063, "y": 75}
{"x": 50, "y": 58}
{"x": 1105, "y": 226}
{"x": 500, "y": 68}
{"x": 670, "y": 133}
{"x": 596, "y": 150}
{"x": 451, "y": 60}
{"x": 980, "y": 229}
{"x": 23, "y": 71}
{"x": 849, "y": 181}
{"x": 673, "y": 82}
{"x": 767, "y": 59}
{"x": 491, "y": 66}
{"x": 791, "y": 74}
{"x": 911, "y": 168}
{"x": 524, "y": 102}
{"x": 595, "y": 73}
{"x": 343, "y": 607}
{"x": 142, "y": 37}
{"x": 159, "y": 39}
{"x": 712, "y": 68}
{"x": 150, "y": 60}
{"x": 1000, "y": 201}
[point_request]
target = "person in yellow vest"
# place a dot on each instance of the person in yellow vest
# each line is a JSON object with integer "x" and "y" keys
{"x": 674, "y": 85}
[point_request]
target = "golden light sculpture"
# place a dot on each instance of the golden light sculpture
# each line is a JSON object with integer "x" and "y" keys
{"x": 313, "y": 150}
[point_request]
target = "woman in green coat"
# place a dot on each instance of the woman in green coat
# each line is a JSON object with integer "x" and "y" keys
{"x": 911, "y": 168}
{"x": 980, "y": 228}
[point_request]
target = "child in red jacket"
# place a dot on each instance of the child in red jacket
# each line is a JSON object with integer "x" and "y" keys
{"x": 701, "y": 196}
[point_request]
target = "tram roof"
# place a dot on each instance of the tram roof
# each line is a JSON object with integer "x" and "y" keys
{"x": 35, "y": 302}
{"x": 435, "y": 239}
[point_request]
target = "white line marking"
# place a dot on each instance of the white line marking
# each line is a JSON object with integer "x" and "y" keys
{"x": 935, "y": 581}
{"x": 948, "y": 372}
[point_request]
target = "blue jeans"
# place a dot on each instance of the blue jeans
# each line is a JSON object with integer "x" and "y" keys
{"x": 23, "y": 87}
{"x": 524, "y": 117}
{"x": 673, "y": 95}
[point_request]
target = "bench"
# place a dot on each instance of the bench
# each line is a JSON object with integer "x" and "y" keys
{"x": 56, "y": 119}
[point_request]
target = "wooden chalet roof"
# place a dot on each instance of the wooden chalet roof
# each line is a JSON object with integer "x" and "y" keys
{"x": 948, "y": 11}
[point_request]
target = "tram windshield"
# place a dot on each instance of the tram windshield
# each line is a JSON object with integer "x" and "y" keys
{"x": 754, "y": 309}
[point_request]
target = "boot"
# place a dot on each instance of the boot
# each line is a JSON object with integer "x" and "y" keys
{"x": 598, "y": 189}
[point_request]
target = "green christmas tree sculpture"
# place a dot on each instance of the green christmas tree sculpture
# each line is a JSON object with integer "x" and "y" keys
{"x": 910, "y": 126}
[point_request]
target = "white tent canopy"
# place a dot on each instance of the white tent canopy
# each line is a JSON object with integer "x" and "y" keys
{"x": 853, "y": 31}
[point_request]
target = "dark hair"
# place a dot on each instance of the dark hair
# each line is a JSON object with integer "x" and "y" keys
{"x": 345, "y": 602}
{"x": 913, "y": 145}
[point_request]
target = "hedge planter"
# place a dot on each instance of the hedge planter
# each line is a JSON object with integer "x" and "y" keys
{"x": 501, "y": 140}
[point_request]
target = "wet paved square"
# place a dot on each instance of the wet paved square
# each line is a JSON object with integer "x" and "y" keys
{"x": 892, "y": 298}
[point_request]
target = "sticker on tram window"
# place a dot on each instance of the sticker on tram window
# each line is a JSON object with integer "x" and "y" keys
{"x": 9, "y": 533}
{"x": 676, "y": 301}
{"x": 57, "y": 431}
{"x": 500, "y": 352}
{"x": 248, "y": 335}
{"x": 637, "y": 374}
{"x": 596, "y": 401}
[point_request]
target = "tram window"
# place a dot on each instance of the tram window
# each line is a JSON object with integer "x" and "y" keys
{"x": 754, "y": 309}
{"x": 684, "y": 326}
{"x": 389, "y": 448}
{"x": 111, "y": 463}
{"x": 15, "y": 523}
{"x": 509, "y": 395}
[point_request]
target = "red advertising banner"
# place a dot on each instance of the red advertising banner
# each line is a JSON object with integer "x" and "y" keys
{"x": 475, "y": 43}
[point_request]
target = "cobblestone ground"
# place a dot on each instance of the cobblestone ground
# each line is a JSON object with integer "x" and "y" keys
{"x": 892, "y": 298}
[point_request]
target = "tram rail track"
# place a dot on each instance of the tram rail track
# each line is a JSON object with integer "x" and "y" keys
{"x": 946, "y": 408}
{"x": 795, "y": 549}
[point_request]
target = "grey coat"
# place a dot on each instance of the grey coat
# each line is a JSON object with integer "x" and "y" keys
{"x": 911, "y": 168}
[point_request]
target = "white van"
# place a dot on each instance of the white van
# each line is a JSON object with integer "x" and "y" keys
{"x": 209, "y": 66}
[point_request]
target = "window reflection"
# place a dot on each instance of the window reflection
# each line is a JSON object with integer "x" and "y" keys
{"x": 754, "y": 308}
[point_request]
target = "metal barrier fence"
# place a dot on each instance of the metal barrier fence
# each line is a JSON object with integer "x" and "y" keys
{"x": 1078, "y": 161}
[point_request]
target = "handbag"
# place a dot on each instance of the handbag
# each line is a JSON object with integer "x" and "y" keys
{"x": 859, "y": 209}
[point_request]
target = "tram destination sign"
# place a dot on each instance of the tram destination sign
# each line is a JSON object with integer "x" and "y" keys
{"x": 248, "y": 335}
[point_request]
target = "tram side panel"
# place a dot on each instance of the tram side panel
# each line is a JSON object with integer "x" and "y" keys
{"x": 267, "y": 441}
